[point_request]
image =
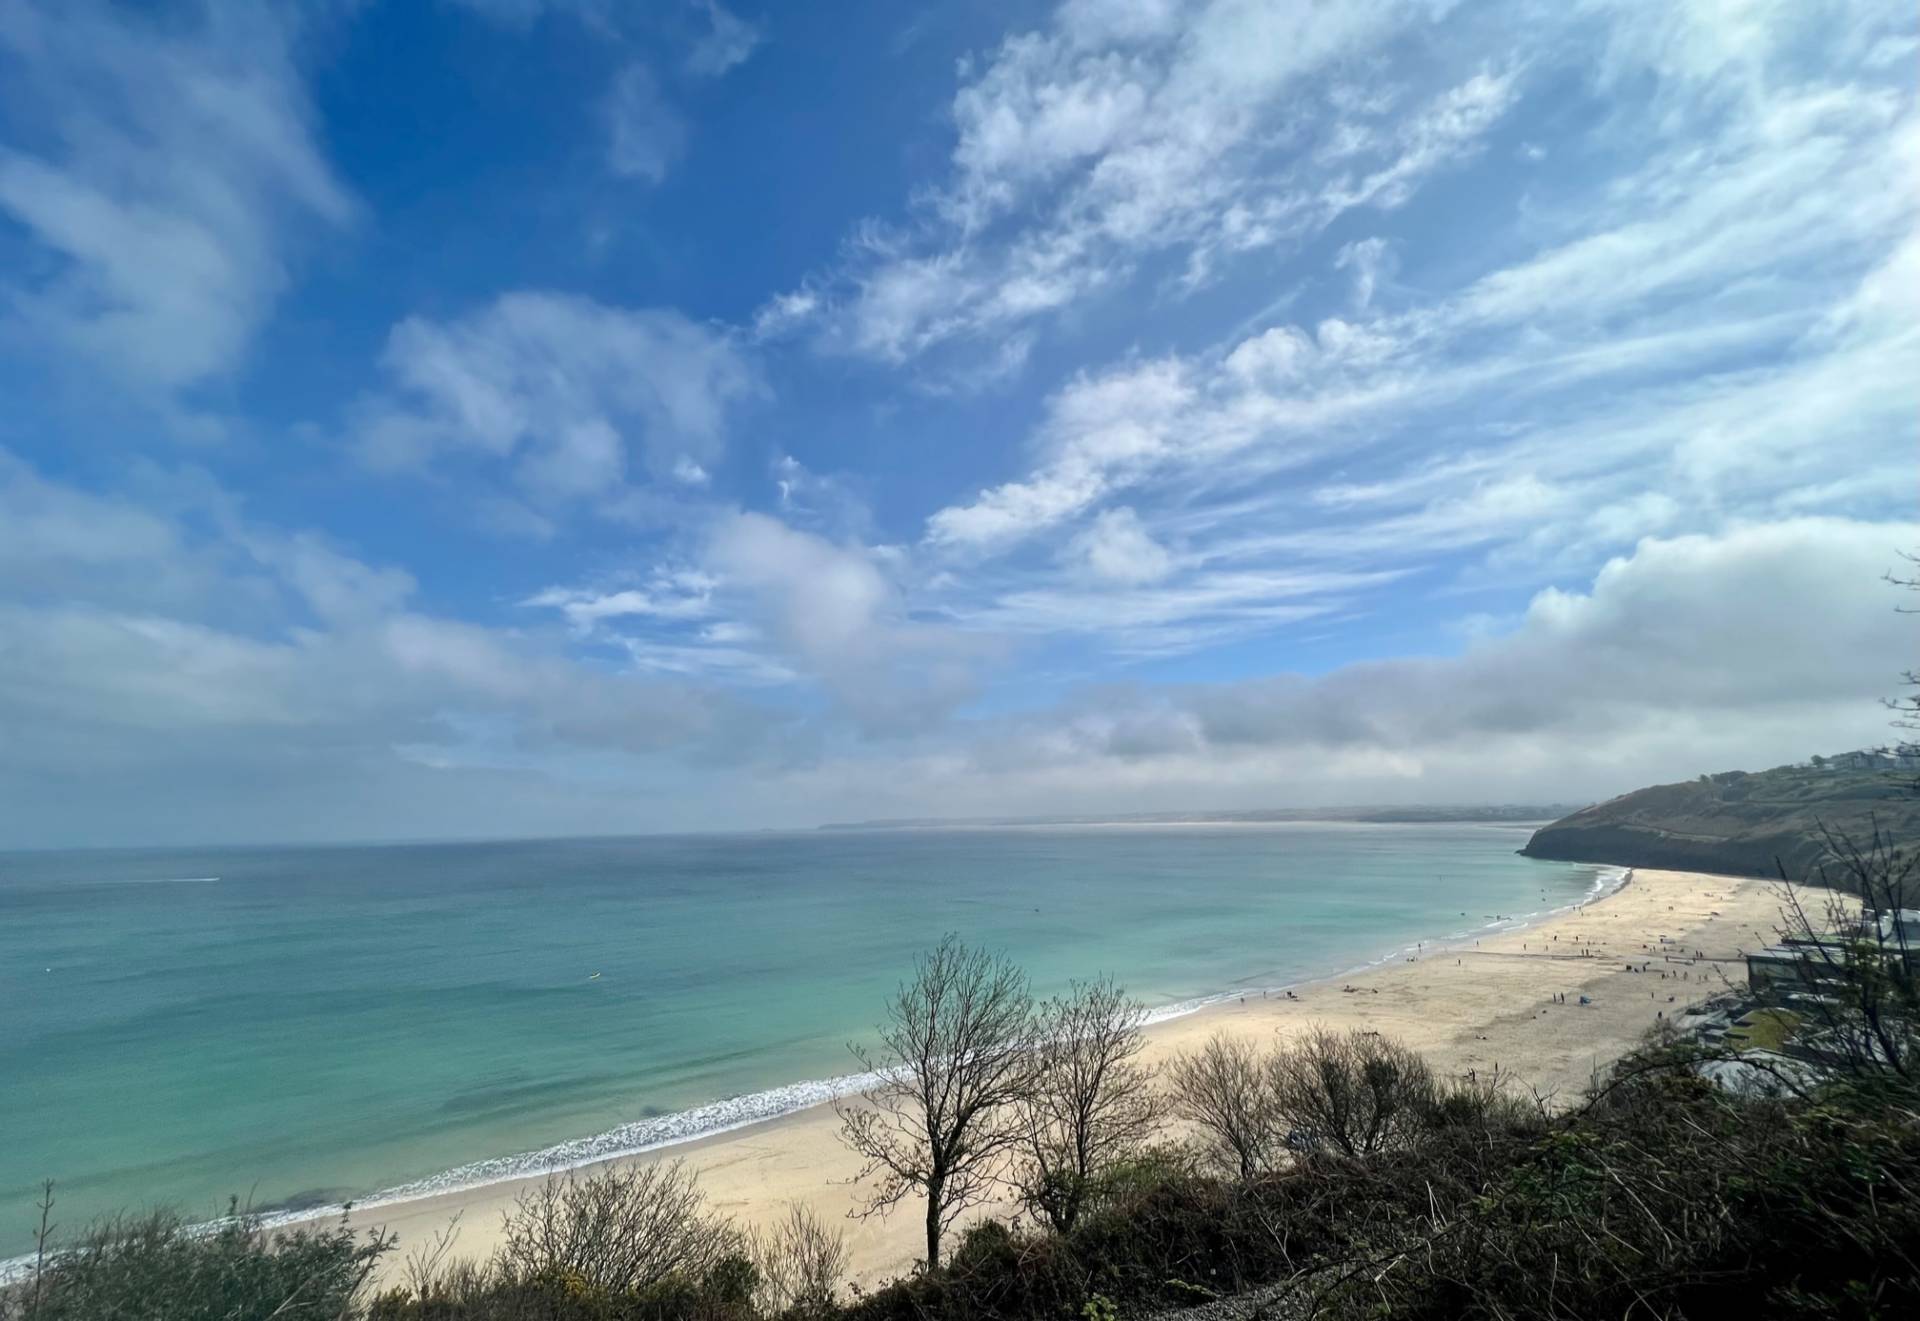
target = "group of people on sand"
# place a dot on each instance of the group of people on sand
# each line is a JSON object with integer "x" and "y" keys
{"x": 1678, "y": 974}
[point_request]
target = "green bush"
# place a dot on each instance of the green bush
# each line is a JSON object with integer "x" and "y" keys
{"x": 1664, "y": 1196}
{"x": 724, "y": 1292}
{"x": 155, "y": 1267}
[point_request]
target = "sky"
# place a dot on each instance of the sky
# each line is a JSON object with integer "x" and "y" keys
{"x": 468, "y": 418}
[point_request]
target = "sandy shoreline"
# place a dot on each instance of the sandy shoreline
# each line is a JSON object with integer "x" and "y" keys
{"x": 1469, "y": 1005}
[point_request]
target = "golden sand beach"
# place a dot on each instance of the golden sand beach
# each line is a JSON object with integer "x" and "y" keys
{"x": 1509, "y": 1000}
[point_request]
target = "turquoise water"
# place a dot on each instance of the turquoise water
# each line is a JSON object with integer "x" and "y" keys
{"x": 298, "y": 1026}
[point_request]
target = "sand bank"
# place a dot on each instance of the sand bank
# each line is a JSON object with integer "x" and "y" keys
{"x": 1491, "y": 1003}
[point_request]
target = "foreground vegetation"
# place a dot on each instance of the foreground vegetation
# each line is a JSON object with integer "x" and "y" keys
{"x": 1663, "y": 1195}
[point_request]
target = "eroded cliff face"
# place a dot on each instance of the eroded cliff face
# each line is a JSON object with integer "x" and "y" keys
{"x": 1738, "y": 824}
{"x": 1644, "y": 846}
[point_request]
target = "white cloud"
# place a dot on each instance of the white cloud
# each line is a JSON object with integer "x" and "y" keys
{"x": 1371, "y": 261}
{"x": 170, "y": 662}
{"x": 1446, "y": 131}
{"x": 1109, "y": 433}
{"x": 1133, "y": 619}
{"x": 60, "y": 545}
{"x": 170, "y": 176}
{"x": 763, "y": 602}
{"x": 729, "y": 41}
{"x": 1653, "y": 421}
{"x": 838, "y": 615}
{"x": 1716, "y": 334}
{"x": 831, "y": 504}
{"x": 1091, "y": 149}
{"x": 646, "y": 135}
{"x": 1113, "y": 134}
{"x": 1116, "y": 548}
{"x": 1802, "y": 177}
{"x": 1658, "y": 668}
{"x": 669, "y": 594}
{"x": 1099, "y": 431}
{"x": 570, "y": 394}
{"x": 783, "y": 312}
{"x": 672, "y": 620}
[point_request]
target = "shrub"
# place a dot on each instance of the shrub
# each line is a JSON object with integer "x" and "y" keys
{"x": 1089, "y": 1105}
{"x": 801, "y": 1263}
{"x": 621, "y": 1231}
{"x": 156, "y": 1266}
{"x": 1663, "y": 1196}
{"x": 1222, "y": 1090}
{"x": 463, "y": 1292}
{"x": 1140, "y": 1175}
{"x": 1354, "y": 1093}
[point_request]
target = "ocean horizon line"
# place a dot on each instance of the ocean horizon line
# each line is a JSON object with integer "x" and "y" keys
{"x": 1518, "y": 814}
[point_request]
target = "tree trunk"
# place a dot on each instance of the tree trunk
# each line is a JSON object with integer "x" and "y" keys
{"x": 934, "y": 1189}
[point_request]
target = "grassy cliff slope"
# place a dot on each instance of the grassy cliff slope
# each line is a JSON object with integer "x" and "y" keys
{"x": 1736, "y": 823}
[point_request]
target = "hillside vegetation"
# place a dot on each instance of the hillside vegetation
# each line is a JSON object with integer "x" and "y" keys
{"x": 1659, "y": 1196}
{"x": 1737, "y": 823}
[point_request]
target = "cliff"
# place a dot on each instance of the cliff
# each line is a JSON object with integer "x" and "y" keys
{"x": 1737, "y": 823}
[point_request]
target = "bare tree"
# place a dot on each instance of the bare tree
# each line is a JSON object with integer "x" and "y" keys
{"x": 801, "y": 1262}
{"x": 620, "y": 1230}
{"x": 1222, "y": 1089}
{"x": 1855, "y": 971}
{"x": 1357, "y": 1093}
{"x": 956, "y": 1056}
{"x": 425, "y": 1267}
{"x": 1091, "y": 1103}
{"x": 1856, "y": 962}
{"x": 1906, "y": 709}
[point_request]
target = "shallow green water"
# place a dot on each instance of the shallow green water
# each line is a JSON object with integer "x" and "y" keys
{"x": 317, "y": 1024}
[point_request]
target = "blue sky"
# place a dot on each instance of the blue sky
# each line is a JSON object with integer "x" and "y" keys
{"x": 497, "y": 417}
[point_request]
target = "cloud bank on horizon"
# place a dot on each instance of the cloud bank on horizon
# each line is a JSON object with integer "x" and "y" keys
{"x": 551, "y": 416}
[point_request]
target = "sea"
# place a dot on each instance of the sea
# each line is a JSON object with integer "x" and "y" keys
{"x": 297, "y": 1027}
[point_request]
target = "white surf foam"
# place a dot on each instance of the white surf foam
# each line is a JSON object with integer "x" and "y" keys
{"x": 164, "y": 880}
